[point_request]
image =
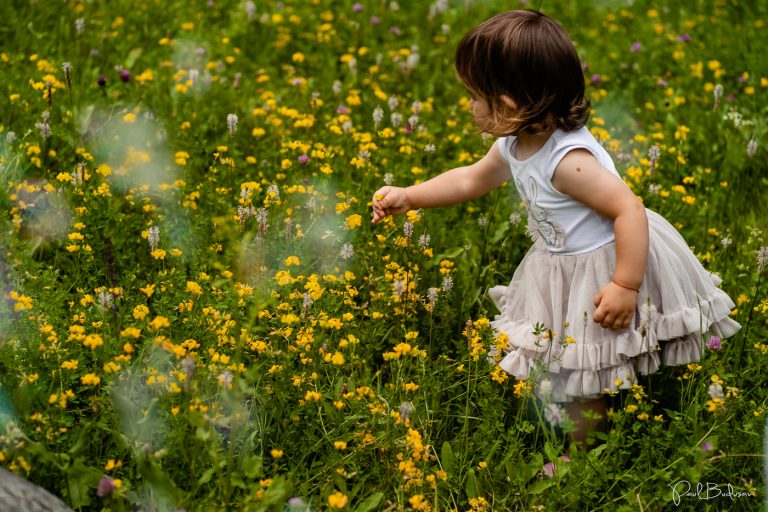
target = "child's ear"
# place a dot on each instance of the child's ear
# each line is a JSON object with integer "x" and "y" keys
{"x": 508, "y": 101}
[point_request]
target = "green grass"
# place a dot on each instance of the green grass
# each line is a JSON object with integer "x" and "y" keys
{"x": 248, "y": 395}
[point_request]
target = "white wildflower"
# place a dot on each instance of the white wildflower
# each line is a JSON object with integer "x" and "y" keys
{"x": 250, "y": 10}
{"x": 405, "y": 409}
{"x": 762, "y": 258}
{"x": 648, "y": 315}
{"x": 751, "y": 147}
{"x": 726, "y": 241}
{"x": 105, "y": 299}
{"x": 715, "y": 390}
{"x": 388, "y": 178}
{"x": 718, "y": 93}
{"x": 67, "y": 68}
{"x": 514, "y": 218}
{"x": 424, "y": 241}
{"x": 232, "y": 124}
{"x": 554, "y": 414}
{"x": 347, "y": 251}
{"x": 447, "y": 284}
{"x": 432, "y": 298}
{"x": 430, "y": 148}
{"x": 408, "y": 229}
{"x": 193, "y": 75}
{"x": 153, "y": 237}
{"x": 653, "y": 153}
{"x": 44, "y": 128}
{"x": 545, "y": 388}
{"x": 378, "y": 115}
{"x": 306, "y": 303}
{"x": 261, "y": 218}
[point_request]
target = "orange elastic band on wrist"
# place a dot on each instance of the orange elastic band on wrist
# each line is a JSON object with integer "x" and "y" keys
{"x": 625, "y": 286}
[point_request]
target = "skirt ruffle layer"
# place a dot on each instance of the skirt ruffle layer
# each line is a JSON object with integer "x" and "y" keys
{"x": 679, "y": 306}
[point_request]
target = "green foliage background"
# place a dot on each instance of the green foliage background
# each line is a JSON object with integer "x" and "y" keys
{"x": 235, "y": 392}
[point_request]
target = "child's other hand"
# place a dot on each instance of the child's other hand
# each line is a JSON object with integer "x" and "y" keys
{"x": 389, "y": 201}
{"x": 615, "y": 306}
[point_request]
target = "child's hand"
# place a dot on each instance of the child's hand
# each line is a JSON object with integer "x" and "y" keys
{"x": 615, "y": 306}
{"x": 389, "y": 201}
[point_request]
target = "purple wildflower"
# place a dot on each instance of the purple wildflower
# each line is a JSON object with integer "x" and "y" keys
{"x": 684, "y": 38}
{"x": 595, "y": 79}
{"x": 549, "y": 467}
{"x": 106, "y": 487}
{"x": 393, "y": 29}
{"x": 706, "y": 446}
{"x": 342, "y": 110}
{"x": 357, "y": 7}
{"x": 303, "y": 159}
{"x": 636, "y": 47}
{"x": 102, "y": 80}
{"x": 125, "y": 75}
{"x": 375, "y": 20}
{"x": 714, "y": 343}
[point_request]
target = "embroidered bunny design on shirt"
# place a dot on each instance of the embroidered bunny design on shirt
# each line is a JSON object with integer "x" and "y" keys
{"x": 538, "y": 217}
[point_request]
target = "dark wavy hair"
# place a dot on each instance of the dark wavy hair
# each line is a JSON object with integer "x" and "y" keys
{"x": 529, "y": 57}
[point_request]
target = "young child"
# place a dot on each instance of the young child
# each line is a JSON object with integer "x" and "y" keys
{"x": 615, "y": 282}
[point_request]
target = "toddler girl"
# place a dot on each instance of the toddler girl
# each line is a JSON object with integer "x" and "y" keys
{"x": 616, "y": 286}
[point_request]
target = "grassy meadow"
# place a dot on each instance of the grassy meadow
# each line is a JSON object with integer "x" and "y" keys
{"x": 196, "y": 312}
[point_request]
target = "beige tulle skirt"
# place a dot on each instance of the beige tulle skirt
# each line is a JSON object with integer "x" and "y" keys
{"x": 678, "y": 308}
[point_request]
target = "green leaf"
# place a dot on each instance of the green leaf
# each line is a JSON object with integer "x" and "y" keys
{"x": 206, "y": 476}
{"x": 161, "y": 484}
{"x": 370, "y": 503}
{"x": 82, "y": 441}
{"x": 595, "y": 452}
{"x": 448, "y": 460}
{"x": 130, "y": 60}
{"x": 203, "y": 433}
{"x": 492, "y": 451}
{"x": 473, "y": 486}
{"x": 81, "y": 479}
{"x": 84, "y": 118}
{"x": 539, "y": 486}
{"x": 253, "y": 467}
{"x": 274, "y": 498}
{"x": 549, "y": 450}
{"x": 339, "y": 481}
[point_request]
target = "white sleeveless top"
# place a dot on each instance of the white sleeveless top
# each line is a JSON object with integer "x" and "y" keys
{"x": 564, "y": 225}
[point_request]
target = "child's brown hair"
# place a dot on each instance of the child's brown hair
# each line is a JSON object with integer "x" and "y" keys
{"x": 529, "y": 57}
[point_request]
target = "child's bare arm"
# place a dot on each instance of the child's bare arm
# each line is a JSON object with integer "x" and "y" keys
{"x": 581, "y": 176}
{"x": 451, "y": 187}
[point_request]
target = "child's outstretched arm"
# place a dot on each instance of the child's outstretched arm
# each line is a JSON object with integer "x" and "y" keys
{"x": 451, "y": 187}
{"x": 580, "y": 176}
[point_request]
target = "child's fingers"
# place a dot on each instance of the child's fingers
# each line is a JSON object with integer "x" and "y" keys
{"x": 619, "y": 322}
{"x": 380, "y": 195}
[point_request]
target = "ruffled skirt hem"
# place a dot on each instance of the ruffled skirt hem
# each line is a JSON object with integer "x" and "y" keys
{"x": 546, "y": 313}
